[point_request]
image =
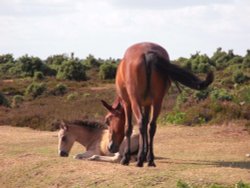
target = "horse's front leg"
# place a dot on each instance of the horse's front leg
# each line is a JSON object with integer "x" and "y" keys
{"x": 85, "y": 155}
{"x": 128, "y": 132}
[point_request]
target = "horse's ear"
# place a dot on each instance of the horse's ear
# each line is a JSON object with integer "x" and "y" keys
{"x": 63, "y": 125}
{"x": 107, "y": 106}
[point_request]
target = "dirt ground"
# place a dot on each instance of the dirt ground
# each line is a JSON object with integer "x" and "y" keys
{"x": 199, "y": 156}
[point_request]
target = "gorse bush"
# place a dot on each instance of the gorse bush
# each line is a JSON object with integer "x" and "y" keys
{"x": 4, "y": 101}
{"x": 107, "y": 71}
{"x": 17, "y": 100}
{"x": 38, "y": 76}
{"x": 71, "y": 70}
{"x": 60, "y": 89}
{"x": 221, "y": 94}
{"x": 72, "y": 96}
{"x": 35, "y": 89}
{"x": 239, "y": 77}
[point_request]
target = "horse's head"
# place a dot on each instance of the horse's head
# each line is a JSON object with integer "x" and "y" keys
{"x": 115, "y": 119}
{"x": 65, "y": 139}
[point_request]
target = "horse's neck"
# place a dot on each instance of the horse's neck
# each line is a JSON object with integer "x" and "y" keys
{"x": 89, "y": 138}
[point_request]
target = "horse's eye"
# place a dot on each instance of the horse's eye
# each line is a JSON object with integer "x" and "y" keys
{"x": 64, "y": 138}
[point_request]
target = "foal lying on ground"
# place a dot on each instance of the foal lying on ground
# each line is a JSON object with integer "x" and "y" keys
{"x": 94, "y": 136}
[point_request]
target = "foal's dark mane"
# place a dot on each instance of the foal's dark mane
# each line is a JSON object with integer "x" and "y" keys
{"x": 88, "y": 124}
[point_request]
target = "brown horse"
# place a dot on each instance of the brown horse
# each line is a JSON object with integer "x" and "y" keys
{"x": 94, "y": 136}
{"x": 143, "y": 77}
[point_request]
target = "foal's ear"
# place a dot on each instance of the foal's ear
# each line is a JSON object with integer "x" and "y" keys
{"x": 107, "y": 106}
{"x": 63, "y": 126}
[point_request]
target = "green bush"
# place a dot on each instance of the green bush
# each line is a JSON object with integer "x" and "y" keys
{"x": 60, "y": 89}
{"x": 201, "y": 95}
{"x": 6, "y": 58}
{"x": 174, "y": 118}
{"x": 243, "y": 95}
{"x": 38, "y": 76}
{"x": 221, "y": 94}
{"x": 35, "y": 89}
{"x": 239, "y": 77}
{"x": 107, "y": 71}
{"x": 72, "y": 96}
{"x": 71, "y": 70}
{"x": 90, "y": 62}
{"x": 29, "y": 65}
{"x": 16, "y": 101}
{"x": 4, "y": 101}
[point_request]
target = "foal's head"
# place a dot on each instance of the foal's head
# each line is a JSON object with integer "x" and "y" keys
{"x": 66, "y": 139}
{"x": 115, "y": 119}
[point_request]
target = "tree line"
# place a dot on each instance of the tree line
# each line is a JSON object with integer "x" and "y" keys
{"x": 72, "y": 68}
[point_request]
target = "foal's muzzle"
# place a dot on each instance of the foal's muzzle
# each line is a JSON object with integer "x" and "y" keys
{"x": 63, "y": 154}
{"x": 113, "y": 148}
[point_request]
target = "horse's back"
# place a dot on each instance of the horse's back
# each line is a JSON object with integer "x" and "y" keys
{"x": 134, "y": 71}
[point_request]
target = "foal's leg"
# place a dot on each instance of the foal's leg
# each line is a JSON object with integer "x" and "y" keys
{"x": 152, "y": 130}
{"x": 129, "y": 128}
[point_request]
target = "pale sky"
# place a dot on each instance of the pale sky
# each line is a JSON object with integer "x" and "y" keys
{"x": 105, "y": 28}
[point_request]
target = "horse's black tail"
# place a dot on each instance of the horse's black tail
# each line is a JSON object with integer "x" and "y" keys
{"x": 181, "y": 75}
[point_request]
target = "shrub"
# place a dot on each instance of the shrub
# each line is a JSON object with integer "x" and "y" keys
{"x": 60, "y": 89}
{"x": 16, "y": 101}
{"x": 38, "y": 76}
{"x": 91, "y": 62}
{"x": 29, "y": 65}
{"x": 221, "y": 94}
{"x": 243, "y": 95}
{"x": 107, "y": 71}
{"x": 72, "y": 96}
{"x": 4, "y": 101}
{"x": 201, "y": 95}
{"x": 239, "y": 77}
{"x": 71, "y": 70}
{"x": 174, "y": 118}
{"x": 35, "y": 89}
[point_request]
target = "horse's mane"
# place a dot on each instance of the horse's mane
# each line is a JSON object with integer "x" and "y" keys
{"x": 88, "y": 124}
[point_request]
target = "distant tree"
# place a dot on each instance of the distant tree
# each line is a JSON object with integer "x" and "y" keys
{"x": 107, "y": 71}
{"x": 56, "y": 59}
{"x": 91, "y": 62}
{"x": 6, "y": 58}
{"x": 71, "y": 70}
{"x": 246, "y": 60}
{"x": 28, "y": 65}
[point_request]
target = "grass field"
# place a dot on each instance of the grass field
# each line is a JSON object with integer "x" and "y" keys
{"x": 211, "y": 156}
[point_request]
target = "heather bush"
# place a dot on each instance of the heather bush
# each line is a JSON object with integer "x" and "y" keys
{"x": 17, "y": 100}
{"x": 60, "y": 89}
{"x": 35, "y": 89}
{"x": 4, "y": 101}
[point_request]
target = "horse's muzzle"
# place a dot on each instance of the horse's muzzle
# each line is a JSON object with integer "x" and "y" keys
{"x": 113, "y": 148}
{"x": 63, "y": 154}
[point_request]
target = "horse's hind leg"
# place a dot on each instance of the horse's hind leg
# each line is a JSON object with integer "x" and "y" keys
{"x": 129, "y": 128}
{"x": 142, "y": 123}
{"x": 152, "y": 130}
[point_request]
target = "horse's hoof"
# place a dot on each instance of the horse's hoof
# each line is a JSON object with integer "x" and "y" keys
{"x": 125, "y": 161}
{"x": 139, "y": 164}
{"x": 151, "y": 164}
